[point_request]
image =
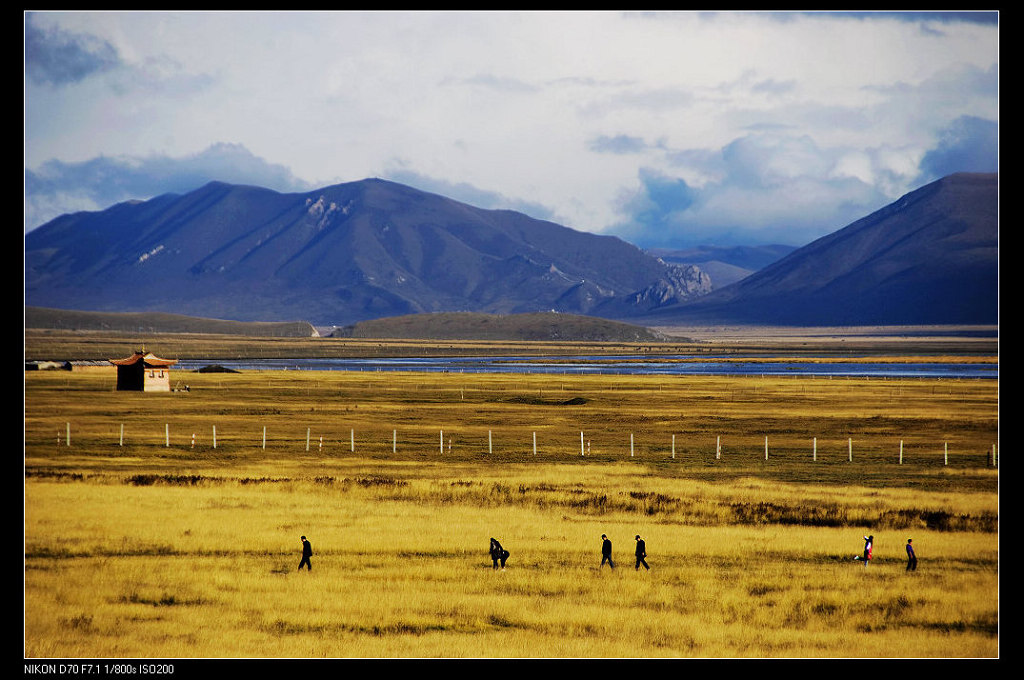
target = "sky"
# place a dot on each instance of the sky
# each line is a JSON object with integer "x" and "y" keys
{"x": 666, "y": 129}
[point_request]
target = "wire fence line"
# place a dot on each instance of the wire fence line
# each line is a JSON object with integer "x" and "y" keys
{"x": 601, "y": 442}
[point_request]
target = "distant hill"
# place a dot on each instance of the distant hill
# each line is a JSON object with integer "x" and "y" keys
{"x": 725, "y": 265}
{"x": 510, "y": 327}
{"x": 341, "y": 254}
{"x": 151, "y": 322}
{"x": 931, "y": 257}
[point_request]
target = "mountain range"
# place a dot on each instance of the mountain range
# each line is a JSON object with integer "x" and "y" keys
{"x": 931, "y": 257}
{"x": 371, "y": 249}
{"x": 339, "y": 255}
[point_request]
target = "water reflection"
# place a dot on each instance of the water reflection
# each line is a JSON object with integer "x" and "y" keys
{"x": 615, "y": 365}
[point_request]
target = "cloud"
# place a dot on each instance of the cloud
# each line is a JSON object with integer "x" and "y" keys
{"x": 653, "y": 209}
{"x": 494, "y": 82}
{"x": 659, "y": 127}
{"x": 925, "y": 18}
{"x": 57, "y": 187}
{"x": 768, "y": 188}
{"x": 617, "y": 144}
{"x": 469, "y": 194}
{"x": 57, "y": 57}
{"x": 969, "y": 144}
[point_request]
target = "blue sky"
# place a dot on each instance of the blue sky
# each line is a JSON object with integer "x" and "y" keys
{"x": 666, "y": 129}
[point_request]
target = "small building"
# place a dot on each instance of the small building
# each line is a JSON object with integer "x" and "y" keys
{"x": 88, "y": 366}
{"x": 36, "y": 365}
{"x": 144, "y": 372}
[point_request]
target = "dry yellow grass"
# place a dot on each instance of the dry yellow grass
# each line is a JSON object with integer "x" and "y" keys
{"x": 208, "y": 570}
{"x": 150, "y": 551}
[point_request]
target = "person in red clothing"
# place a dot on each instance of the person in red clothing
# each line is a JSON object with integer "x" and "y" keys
{"x": 869, "y": 542}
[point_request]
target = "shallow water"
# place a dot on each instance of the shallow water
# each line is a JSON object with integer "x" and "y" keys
{"x": 615, "y": 365}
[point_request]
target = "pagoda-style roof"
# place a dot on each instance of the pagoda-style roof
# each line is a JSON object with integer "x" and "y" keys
{"x": 148, "y": 359}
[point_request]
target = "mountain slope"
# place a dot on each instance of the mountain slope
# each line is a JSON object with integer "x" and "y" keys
{"x": 139, "y": 322}
{"x": 342, "y": 254}
{"x": 930, "y": 257}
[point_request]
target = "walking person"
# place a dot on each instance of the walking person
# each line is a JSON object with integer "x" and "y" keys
{"x": 498, "y": 554}
{"x": 911, "y": 556}
{"x": 307, "y": 552}
{"x": 869, "y": 542}
{"x": 641, "y": 553}
{"x": 606, "y": 551}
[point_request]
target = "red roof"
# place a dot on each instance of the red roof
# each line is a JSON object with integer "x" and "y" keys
{"x": 148, "y": 359}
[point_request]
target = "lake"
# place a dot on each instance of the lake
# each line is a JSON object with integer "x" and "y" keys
{"x": 618, "y": 365}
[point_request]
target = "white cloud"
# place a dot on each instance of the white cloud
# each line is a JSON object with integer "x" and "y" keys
{"x": 562, "y": 113}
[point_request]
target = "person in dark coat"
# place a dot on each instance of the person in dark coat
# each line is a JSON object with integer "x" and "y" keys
{"x": 606, "y": 551}
{"x": 641, "y": 553}
{"x": 307, "y": 552}
{"x": 498, "y": 554}
{"x": 911, "y": 556}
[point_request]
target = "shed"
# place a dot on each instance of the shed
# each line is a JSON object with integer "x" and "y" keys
{"x": 88, "y": 366}
{"x": 144, "y": 372}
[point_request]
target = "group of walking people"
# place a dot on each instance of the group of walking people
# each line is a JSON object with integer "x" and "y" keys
{"x": 640, "y": 552}
{"x": 869, "y": 546}
{"x": 499, "y": 555}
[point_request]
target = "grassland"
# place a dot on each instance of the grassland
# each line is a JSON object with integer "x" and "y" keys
{"x": 145, "y": 545}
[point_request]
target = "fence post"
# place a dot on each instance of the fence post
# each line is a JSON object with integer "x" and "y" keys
{"x": 264, "y": 437}
{"x": 901, "y": 452}
{"x": 167, "y": 434}
{"x": 718, "y": 447}
{"x": 945, "y": 453}
{"x": 630, "y": 444}
{"x": 766, "y": 448}
{"x": 581, "y": 442}
{"x": 535, "y": 443}
{"x": 214, "y": 436}
{"x": 352, "y": 440}
{"x": 394, "y": 441}
{"x": 814, "y": 454}
{"x": 120, "y": 442}
{"x": 673, "y": 446}
{"x": 67, "y": 437}
{"x": 849, "y": 448}
{"x": 307, "y": 439}
{"x": 490, "y": 444}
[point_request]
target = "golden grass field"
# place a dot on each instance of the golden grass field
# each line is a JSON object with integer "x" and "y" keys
{"x": 143, "y": 545}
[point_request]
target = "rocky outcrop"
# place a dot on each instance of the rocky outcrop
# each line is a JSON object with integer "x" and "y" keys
{"x": 682, "y": 282}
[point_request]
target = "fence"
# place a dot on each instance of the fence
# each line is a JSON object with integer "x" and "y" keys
{"x": 610, "y": 445}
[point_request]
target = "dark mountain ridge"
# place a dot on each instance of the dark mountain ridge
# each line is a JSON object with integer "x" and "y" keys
{"x": 373, "y": 249}
{"x": 338, "y": 255}
{"x": 931, "y": 257}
